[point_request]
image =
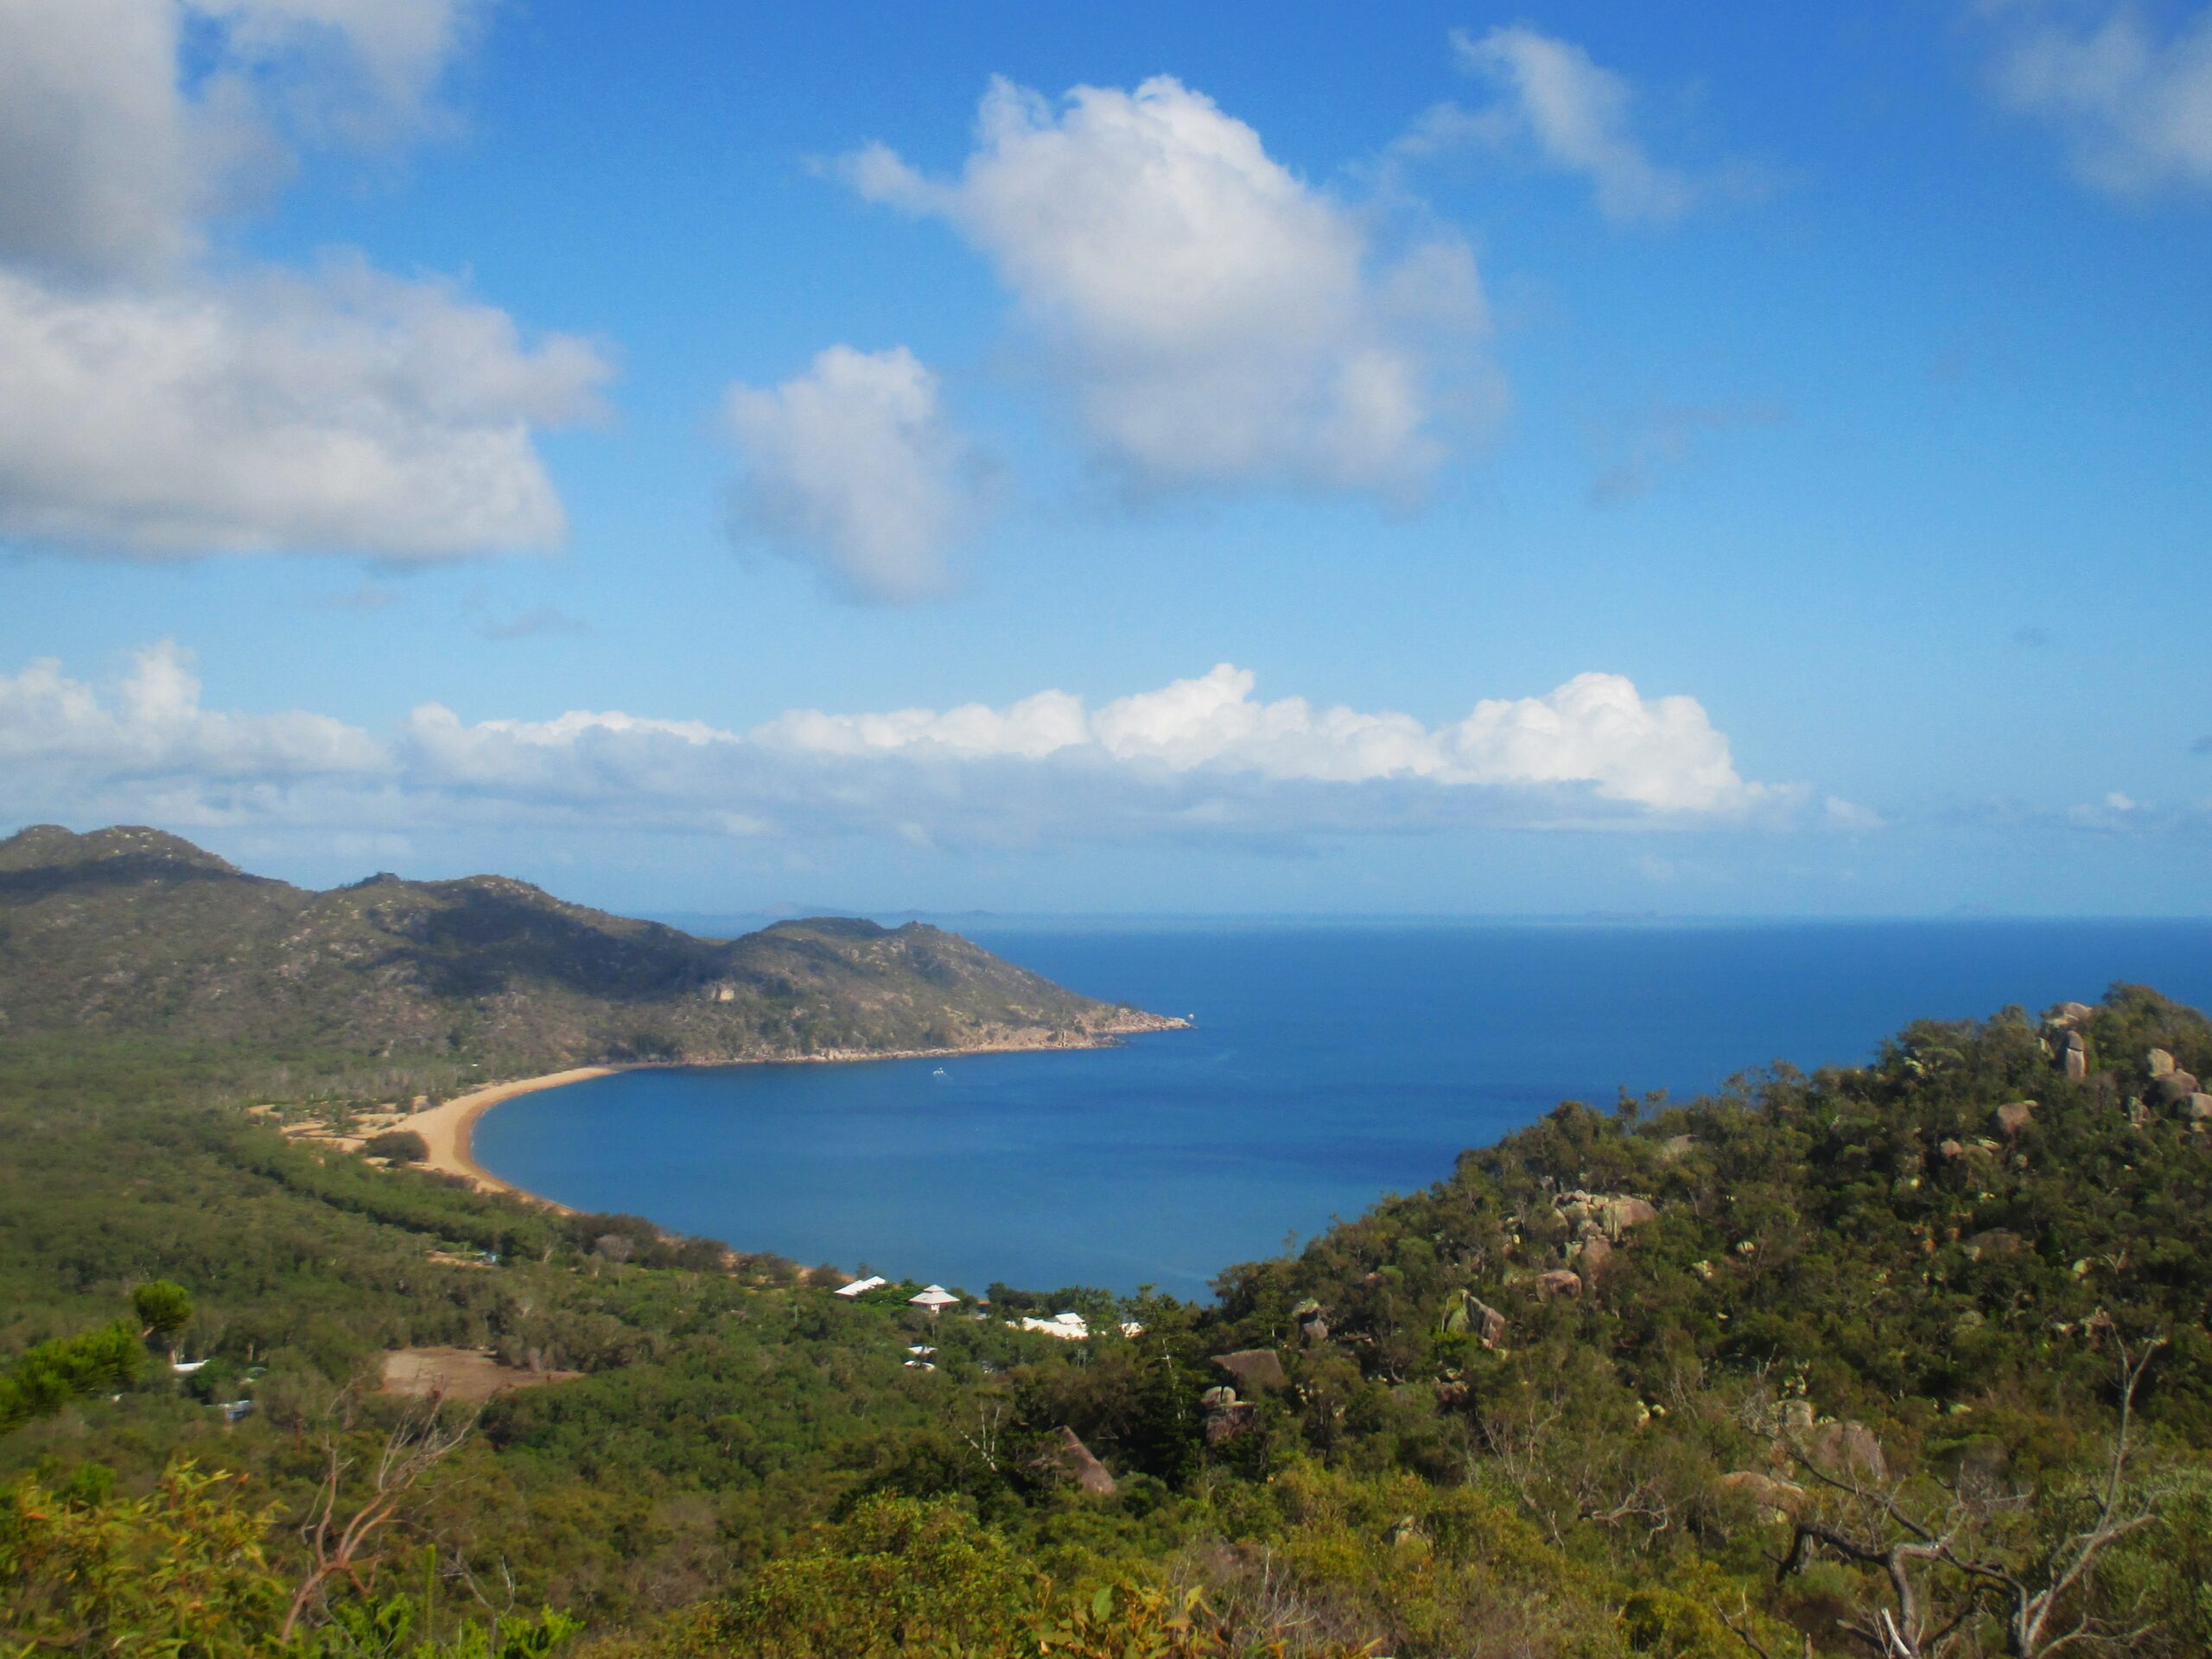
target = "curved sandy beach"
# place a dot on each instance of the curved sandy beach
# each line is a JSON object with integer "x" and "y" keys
{"x": 445, "y": 1129}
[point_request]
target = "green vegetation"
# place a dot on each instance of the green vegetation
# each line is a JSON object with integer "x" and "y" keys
{"x": 1883, "y": 1360}
{"x": 399, "y": 1145}
{"x": 49, "y": 1375}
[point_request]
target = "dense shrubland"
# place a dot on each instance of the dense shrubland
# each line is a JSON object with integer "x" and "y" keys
{"x": 1856, "y": 1361}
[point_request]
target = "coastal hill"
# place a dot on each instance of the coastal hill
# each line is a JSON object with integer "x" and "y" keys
{"x": 131, "y": 933}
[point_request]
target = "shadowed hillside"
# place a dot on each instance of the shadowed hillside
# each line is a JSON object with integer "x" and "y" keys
{"x": 129, "y": 931}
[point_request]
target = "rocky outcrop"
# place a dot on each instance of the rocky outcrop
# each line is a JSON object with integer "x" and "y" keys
{"x": 1612, "y": 1213}
{"x": 1256, "y": 1370}
{"x": 1226, "y": 1416}
{"x": 1560, "y": 1281}
{"x": 1463, "y": 1313}
{"x": 1069, "y": 1459}
{"x": 1846, "y": 1449}
{"x": 1618, "y": 1216}
{"x": 2011, "y": 1119}
{"x": 1590, "y": 1256}
{"x": 2160, "y": 1062}
{"x": 2176, "y": 1087}
{"x": 2074, "y": 1054}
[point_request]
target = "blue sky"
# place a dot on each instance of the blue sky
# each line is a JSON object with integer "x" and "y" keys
{"x": 1243, "y": 459}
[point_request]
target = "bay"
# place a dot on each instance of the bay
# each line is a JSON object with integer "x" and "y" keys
{"x": 1330, "y": 1065}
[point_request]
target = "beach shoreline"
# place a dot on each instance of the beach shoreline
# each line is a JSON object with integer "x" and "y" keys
{"x": 447, "y": 1128}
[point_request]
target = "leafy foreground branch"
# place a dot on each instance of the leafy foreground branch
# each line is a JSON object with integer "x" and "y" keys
{"x": 1943, "y": 1572}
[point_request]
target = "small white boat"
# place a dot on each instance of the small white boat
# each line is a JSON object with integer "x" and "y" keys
{"x": 938, "y": 1072}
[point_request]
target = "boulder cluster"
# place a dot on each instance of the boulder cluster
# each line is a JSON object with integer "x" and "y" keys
{"x": 2164, "y": 1083}
{"x": 1257, "y": 1370}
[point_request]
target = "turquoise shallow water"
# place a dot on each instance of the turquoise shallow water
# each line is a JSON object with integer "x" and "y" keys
{"x": 1331, "y": 1064}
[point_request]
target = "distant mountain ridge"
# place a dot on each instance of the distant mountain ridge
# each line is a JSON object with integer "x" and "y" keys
{"x": 131, "y": 932}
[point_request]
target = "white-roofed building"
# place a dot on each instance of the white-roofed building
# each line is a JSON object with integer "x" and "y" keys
{"x": 934, "y": 1297}
{"x": 1068, "y": 1327}
{"x": 862, "y": 1287}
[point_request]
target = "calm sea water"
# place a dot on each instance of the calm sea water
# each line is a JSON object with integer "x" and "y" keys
{"x": 1330, "y": 1066}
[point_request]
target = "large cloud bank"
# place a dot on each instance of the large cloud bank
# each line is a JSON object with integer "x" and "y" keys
{"x": 1201, "y": 758}
{"x": 159, "y": 404}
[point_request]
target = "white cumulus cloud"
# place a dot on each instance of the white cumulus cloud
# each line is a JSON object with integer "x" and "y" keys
{"x": 1218, "y": 320}
{"x": 2135, "y": 106}
{"x": 853, "y": 468}
{"x": 153, "y": 407}
{"x": 115, "y": 145}
{"x": 345, "y": 410}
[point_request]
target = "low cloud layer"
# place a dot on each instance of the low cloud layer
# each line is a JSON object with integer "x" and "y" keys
{"x": 59, "y": 736}
{"x": 852, "y": 467}
{"x": 2133, "y": 102}
{"x": 159, "y": 405}
{"x": 1202, "y": 759}
{"x": 1216, "y": 321}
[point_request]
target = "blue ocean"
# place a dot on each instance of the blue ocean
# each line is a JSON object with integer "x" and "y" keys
{"x": 1330, "y": 1066}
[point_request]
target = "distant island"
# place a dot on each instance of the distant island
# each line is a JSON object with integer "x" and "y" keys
{"x": 130, "y": 932}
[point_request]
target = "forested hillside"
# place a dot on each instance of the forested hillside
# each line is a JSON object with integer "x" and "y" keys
{"x": 133, "y": 932}
{"x": 1905, "y": 1359}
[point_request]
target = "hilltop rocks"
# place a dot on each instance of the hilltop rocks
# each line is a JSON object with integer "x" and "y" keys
{"x": 1590, "y": 1255}
{"x": 1226, "y": 1416}
{"x": 1463, "y": 1313}
{"x": 1618, "y": 1216}
{"x": 1071, "y": 1459}
{"x": 2176, "y": 1087}
{"x": 1846, "y": 1448}
{"x": 2074, "y": 1054}
{"x": 2160, "y": 1062}
{"x": 2012, "y": 1118}
{"x": 2070, "y": 1013}
{"x": 1560, "y": 1281}
{"x": 2200, "y": 1111}
{"x": 1610, "y": 1213}
{"x": 1255, "y": 1369}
